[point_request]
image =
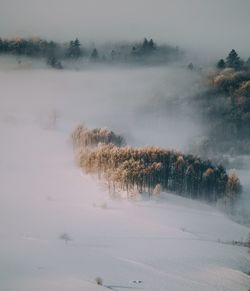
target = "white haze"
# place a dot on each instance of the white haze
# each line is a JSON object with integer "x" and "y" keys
{"x": 133, "y": 102}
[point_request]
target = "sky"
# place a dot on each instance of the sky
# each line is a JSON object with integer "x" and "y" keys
{"x": 211, "y": 25}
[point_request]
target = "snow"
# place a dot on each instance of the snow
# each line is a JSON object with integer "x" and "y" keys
{"x": 168, "y": 243}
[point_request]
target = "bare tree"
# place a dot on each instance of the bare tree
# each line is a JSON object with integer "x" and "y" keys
{"x": 65, "y": 237}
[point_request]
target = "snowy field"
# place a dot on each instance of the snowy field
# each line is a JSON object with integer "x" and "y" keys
{"x": 169, "y": 243}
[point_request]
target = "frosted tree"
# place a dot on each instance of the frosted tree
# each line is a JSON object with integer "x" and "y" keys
{"x": 150, "y": 169}
{"x": 233, "y": 183}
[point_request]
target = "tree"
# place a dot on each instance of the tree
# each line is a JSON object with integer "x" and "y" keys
{"x": 1, "y": 45}
{"x": 113, "y": 55}
{"x": 234, "y": 187}
{"x": 248, "y": 241}
{"x": 51, "y": 48}
{"x": 77, "y": 46}
{"x": 94, "y": 55}
{"x": 147, "y": 46}
{"x": 221, "y": 64}
{"x": 66, "y": 237}
{"x": 233, "y": 60}
{"x": 151, "y": 44}
{"x": 74, "y": 49}
{"x": 247, "y": 64}
{"x": 54, "y": 63}
{"x": 190, "y": 66}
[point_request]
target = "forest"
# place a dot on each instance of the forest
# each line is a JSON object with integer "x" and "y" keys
{"x": 151, "y": 169}
{"x": 224, "y": 108}
{"x": 54, "y": 53}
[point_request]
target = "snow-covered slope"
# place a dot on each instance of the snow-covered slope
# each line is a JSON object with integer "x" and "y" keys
{"x": 169, "y": 243}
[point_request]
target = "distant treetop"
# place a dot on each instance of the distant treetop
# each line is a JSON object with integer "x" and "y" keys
{"x": 232, "y": 61}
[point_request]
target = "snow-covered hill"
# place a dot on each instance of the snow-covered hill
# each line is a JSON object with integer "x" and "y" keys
{"x": 169, "y": 243}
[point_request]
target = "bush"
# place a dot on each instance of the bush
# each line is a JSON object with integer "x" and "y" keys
{"x": 99, "y": 281}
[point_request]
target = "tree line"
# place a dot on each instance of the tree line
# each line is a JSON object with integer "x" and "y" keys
{"x": 151, "y": 169}
{"x": 146, "y": 52}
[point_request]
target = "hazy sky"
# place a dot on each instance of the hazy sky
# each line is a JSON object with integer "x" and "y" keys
{"x": 212, "y": 24}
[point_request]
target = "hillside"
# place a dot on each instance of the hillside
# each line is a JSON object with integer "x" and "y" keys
{"x": 169, "y": 242}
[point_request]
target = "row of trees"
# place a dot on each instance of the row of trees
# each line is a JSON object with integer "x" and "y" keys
{"x": 83, "y": 137}
{"x": 149, "y": 169}
{"x": 55, "y": 52}
{"x": 52, "y": 51}
{"x": 147, "y": 47}
{"x": 33, "y": 47}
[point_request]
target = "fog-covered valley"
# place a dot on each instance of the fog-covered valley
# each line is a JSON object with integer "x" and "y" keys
{"x": 168, "y": 242}
{"x": 124, "y": 145}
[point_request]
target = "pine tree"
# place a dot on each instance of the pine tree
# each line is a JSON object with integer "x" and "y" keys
{"x": 233, "y": 60}
{"x": 74, "y": 49}
{"x": 54, "y": 62}
{"x": 247, "y": 64}
{"x": 190, "y": 66}
{"x": 221, "y": 64}
{"x": 151, "y": 44}
{"x": 77, "y": 49}
{"x": 145, "y": 44}
{"x": 94, "y": 55}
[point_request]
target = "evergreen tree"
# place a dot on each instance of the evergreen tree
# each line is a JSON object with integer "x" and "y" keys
{"x": 233, "y": 60}
{"x": 54, "y": 63}
{"x": 190, "y": 66}
{"x": 151, "y": 44}
{"x": 74, "y": 49}
{"x": 77, "y": 48}
{"x": 247, "y": 64}
{"x": 94, "y": 55}
{"x": 145, "y": 44}
{"x": 50, "y": 49}
{"x": 221, "y": 64}
{"x": 113, "y": 55}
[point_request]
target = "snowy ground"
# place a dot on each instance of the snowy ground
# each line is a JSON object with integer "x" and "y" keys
{"x": 169, "y": 243}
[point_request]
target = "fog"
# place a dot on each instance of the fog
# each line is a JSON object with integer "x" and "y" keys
{"x": 142, "y": 104}
{"x": 148, "y": 106}
{"x": 208, "y": 26}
